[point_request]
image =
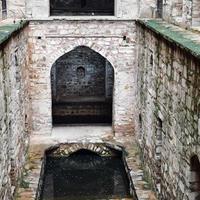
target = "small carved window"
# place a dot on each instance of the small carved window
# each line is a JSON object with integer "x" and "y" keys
{"x": 80, "y": 72}
{"x": 140, "y": 126}
{"x": 140, "y": 121}
{"x": 159, "y": 130}
{"x": 16, "y": 58}
{"x": 151, "y": 59}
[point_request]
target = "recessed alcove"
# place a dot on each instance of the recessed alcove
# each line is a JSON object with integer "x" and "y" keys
{"x": 82, "y": 88}
{"x": 81, "y": 7}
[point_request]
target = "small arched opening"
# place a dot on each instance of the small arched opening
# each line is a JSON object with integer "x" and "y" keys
{"x": 82, "y": 84}
{"x": 195, "y": 178}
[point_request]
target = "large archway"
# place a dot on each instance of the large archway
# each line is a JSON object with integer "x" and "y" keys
{"x": 82, "y": 88}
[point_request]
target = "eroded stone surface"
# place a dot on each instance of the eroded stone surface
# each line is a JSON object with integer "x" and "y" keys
{"x": 14, "y": 108}
{"x": 168, "y": 101}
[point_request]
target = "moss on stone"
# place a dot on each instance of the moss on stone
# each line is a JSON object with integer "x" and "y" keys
{"x": 6, "y": 31}
{"x": 174, "y": 34}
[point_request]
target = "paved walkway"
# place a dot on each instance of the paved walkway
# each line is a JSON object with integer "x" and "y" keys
{"x": 64, "y": 134}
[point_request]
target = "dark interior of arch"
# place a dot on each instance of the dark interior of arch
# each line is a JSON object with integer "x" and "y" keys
{"x": 195, "y": 175}
{"x": 81, "y": 7}
{"x": 82, "y": 87}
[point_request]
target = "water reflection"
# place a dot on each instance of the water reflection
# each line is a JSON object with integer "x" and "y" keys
{"x": 84, "y": 176}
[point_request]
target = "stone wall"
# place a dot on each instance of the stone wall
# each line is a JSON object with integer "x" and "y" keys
{"x": 181, "y": 12}
{"x": 147, "y": 8}
{"x": 16, "y": 9}
{"x": 184, "y": 13}
{"x": 196, "y": 13}
{"x": 114, "y": 40}
{"x": 14, "y": 110}
{"x": 168, "y": 110}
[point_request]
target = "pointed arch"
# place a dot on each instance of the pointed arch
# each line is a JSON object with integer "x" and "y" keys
{"x": 104, "y": 52}
{"x": 82, "y": 82}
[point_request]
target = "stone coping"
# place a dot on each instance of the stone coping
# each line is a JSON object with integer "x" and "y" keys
{"x": 9, "y": 28}
{"x": 81, "y": 18}
{"x": 185, "y": 39}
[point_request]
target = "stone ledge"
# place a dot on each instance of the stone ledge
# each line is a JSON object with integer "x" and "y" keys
{"x": 81, "y": 18}
{"x": 186, "y": 40}
{"x": 8, "y": 29}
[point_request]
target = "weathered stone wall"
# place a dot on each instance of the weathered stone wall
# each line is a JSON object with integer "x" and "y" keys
{"x": 184, "y": 13}
{"x": 181, "y": 12}
{"x": 195, "y": 13}
{"x": 168, "y": 112}
{"x": 147, "y": 8}
{"x": 114, "y": 40}
{"x": 16, "y": 9}
{"x": 14, "y": 110}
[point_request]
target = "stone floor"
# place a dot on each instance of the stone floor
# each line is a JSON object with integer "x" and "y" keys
{"x": 82, "y": 135}
{"x": 64, "y": 134}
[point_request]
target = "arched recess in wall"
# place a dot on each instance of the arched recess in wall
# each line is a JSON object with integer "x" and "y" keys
{"x": 82, "y": 84}
{"x": 194, "y": 178}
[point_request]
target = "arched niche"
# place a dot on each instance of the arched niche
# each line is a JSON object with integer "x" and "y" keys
{"x": 82, "y": 84}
